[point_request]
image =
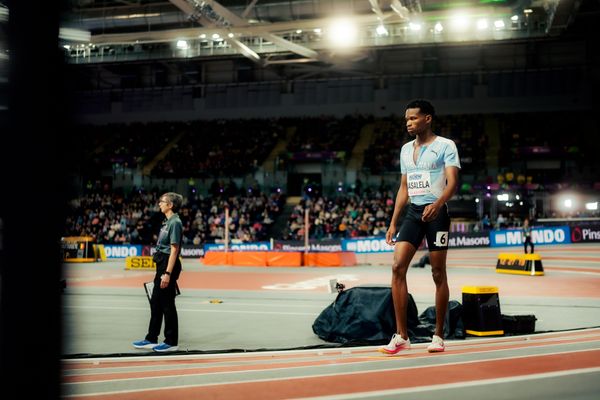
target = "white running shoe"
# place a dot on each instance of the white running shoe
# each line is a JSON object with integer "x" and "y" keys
{"x": 437, "y": 345}
{"x": 395, "y": 346}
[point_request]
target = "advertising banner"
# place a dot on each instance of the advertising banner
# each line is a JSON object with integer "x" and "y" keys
{"x": 316, "y": 246}
{"x": 191, "y": 251}
{"x": 545, "y": 235}
{"x": 476, "y": 239}
{"x": 585, "y": 233}
{"x": 250, "y": 246}
{"x": 367, "y": 245}
{"x": 122, "y": 251}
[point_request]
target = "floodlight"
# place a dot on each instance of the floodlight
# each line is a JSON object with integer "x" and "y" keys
{"x": 591, "y": 206}
{"x": 182, "y": 44}
{"x": 414, "y": 26}
{"x": 438, "y": 27}
{"x": 502, "y": 197}
{"x": 342, "y": 32}
{"x": 460, "y": 22}
{"x": 381, "y": 30}
{"x": 74, "y": 35}
{"x": 482, "y": 24}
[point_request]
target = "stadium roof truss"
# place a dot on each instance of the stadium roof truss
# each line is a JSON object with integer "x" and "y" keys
{"x": 271, "y": 32}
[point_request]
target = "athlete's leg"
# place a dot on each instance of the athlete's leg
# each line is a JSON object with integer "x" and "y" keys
{"x": 442, "y": 293}
{"x": 403, "y": 254}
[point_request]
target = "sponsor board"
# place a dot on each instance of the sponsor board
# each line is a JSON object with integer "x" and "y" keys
{"x": 141, "y": 262}
{"x": 458, "y": 239}
{"x": 315, "y": 246}
{"x": 546, "y": 235}
{"x": 251, "y": 246}
{"x": 122, "y": 251}
{"x": 585, "y": 233}
{"x": 378, "y": 244}
{"x": 187, "y": 251}
{"x": 367, "y": 245}
{"x": 190, "y": 251}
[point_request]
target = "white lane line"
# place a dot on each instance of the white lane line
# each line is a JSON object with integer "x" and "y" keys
{"x": 192, "y": 310}
{"x": 318, "y": 355}
{"x": 573, "y": 334}
{"x": 319, "y": 375}
{"x": 458, "y": 385}
{"x": 201, "y": 301}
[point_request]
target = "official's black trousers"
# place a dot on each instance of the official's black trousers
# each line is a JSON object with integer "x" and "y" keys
{"x": 528, "y": 242}
{"x": 162, "y": 303}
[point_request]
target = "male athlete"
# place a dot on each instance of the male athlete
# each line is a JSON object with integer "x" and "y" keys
{"x": 429, "y": 165}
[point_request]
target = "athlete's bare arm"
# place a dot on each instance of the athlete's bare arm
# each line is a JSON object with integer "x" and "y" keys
{"x": 431, "y": 211}
{"x": 401, "y": 200}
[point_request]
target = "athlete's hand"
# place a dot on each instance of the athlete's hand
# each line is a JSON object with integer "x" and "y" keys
{"x": 390, "y": 235}
{"x": 431, "y": 212}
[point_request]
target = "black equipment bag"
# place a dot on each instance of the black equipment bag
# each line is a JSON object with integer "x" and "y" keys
{"x": 362, "y": 315}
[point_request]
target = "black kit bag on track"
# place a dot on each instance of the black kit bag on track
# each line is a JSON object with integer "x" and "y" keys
{"x": 363, "y": 315}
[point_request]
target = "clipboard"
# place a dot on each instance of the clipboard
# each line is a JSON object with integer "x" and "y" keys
{"x": 149, "y": 287}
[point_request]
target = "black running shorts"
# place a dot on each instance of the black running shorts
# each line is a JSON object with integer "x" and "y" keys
{"x": 413, "y": 229}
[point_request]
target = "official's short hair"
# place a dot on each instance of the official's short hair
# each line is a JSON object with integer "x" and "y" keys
{"x": 174, "y": 198}
{"x": 423, "y": 105}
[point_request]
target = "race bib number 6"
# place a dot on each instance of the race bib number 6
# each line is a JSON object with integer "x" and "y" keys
{"x": 441, "y": 239}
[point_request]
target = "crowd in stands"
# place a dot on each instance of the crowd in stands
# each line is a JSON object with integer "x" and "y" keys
{"x": 325, "y": 134}
{"x": 383, "y": 155}
{"x": 343, "y": 216}
{"x": 115, "y": 147}
{"x": 220, "y": 148}
{"x": 134, "y": 218}
{"x": 236, "y": 147}
{"x": 549, "y": 147}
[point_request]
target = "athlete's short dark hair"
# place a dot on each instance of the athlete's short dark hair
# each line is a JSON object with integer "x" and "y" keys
{"x": 423, "y": 105}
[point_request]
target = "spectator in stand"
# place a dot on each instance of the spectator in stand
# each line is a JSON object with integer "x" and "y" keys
{"x": 486, "y": 224}
{"x": 500, "y": 221}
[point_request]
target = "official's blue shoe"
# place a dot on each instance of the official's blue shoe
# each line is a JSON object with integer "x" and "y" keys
{"x": 144, "y": 344}
{"x": 163, "y": 348}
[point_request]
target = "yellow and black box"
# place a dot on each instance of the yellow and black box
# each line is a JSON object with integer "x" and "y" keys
{"x": 520, "y": 264}
{"x": 139, "y": 262}
{"x": 481, "y": 311}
